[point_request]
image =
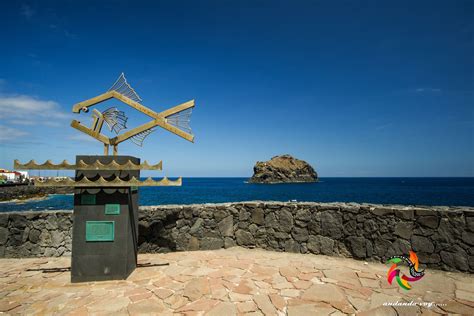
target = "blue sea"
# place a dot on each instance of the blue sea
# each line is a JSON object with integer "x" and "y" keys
{"x": 408, "y": 191}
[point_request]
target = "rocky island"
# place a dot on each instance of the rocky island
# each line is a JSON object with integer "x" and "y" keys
{"x": 283, "y": 169}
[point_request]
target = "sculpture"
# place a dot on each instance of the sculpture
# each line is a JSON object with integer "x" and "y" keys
{"x": 175, "y": 120}
{"x": 105, "y": 228}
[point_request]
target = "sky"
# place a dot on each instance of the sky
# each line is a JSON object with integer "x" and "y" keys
{"x": 355, "y": 88}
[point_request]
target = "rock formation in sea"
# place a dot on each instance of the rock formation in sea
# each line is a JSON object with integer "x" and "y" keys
{"x": 283, "y": 169}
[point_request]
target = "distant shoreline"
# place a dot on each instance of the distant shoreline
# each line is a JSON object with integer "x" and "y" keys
{"x": 28, "y": 193}
{"x": 31, "y": 199}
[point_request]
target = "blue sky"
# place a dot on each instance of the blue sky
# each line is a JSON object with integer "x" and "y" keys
{"x": 369, "y": 88}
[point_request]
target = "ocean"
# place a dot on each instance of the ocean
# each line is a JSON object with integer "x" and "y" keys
{"x": 407, "y": 191}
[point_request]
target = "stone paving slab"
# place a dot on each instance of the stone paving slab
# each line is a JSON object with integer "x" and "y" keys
{"x": 233, "y": 281}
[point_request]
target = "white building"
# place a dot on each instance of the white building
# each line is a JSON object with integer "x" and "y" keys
{"x": 24, "y": 174}
{"x": 15, "y": 176}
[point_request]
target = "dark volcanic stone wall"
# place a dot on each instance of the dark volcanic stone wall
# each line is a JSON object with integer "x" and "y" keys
{"x": 35, "y": 234}
{"x": 442, "y": 237}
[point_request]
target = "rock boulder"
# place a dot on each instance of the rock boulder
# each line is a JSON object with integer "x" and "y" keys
{"x": 283, "y": 169}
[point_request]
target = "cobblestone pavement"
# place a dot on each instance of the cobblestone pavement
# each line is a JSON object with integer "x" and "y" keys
{"x": 229, "y": 282}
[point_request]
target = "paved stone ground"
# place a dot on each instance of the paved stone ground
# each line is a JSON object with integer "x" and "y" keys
{"x": 228, "y": 282}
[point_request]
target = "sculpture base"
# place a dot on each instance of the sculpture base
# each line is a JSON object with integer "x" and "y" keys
{"x": 105, "y": 225}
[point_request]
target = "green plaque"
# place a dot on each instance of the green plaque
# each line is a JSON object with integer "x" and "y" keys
{"x": 100, "y": 230}
{"x": 112, "y": 209}
{"x": 88, "y": 199}
{"x": 134, "y": 188}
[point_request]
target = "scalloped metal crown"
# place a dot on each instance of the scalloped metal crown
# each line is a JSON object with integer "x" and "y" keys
{"x": 81, "y": 165}
{"x": 101, "y": 182}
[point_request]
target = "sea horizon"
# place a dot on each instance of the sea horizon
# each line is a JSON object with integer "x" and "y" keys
{"x": 426, "y": 191}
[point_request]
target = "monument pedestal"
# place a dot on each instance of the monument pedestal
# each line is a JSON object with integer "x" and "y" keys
{"x": 105, "y": 225}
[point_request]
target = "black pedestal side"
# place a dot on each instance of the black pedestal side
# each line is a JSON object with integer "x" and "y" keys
{"x": 105, "y": 256}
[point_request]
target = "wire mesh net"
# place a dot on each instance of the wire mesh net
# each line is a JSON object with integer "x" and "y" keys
{"x": 115, "y": 119}
{"x": 140, "y": 137}
{"x": 181, "y": 120}
{"x": 122, "y": 87}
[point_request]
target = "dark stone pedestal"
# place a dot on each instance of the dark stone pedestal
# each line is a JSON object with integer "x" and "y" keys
{"x": 105, "y": 224}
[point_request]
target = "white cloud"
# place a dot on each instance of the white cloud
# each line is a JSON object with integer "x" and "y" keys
{"x": 22, "y": 122}
{"x": 8, "y": 133}
{"x": 383, "y": 126}
{"x": 58, "y": 29}
{"x": 27, "y": 122}
{"x": 428, "y": 90}
{"x": 83, "y": 137}
{"x": 27, "y": 11}
{"x": 28, "y": 108}
{"x": 69, "y": 34}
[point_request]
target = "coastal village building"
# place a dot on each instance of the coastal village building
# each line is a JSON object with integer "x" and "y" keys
{"x": 15, "y": 176}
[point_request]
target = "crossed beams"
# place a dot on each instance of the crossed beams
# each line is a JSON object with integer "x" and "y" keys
{"x": 159, "y": 119}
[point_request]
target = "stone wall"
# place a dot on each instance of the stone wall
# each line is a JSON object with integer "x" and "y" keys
{"x": 35, "y": 234}
{"x": 442, "y": 237}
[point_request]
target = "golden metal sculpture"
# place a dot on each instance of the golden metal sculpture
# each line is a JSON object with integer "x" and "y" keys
{"x": 175, "y": 119}
{"x": 81, "y": 165}
{"x": 101, "y": 182}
